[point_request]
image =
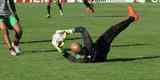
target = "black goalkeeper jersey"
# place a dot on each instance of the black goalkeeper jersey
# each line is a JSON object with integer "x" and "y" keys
{"x": 98, "y": 51}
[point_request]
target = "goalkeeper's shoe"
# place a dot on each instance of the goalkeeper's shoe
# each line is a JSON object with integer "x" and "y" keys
{"x": 132, "y": 12}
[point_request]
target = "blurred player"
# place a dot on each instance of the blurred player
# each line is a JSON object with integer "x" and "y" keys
{"x": 60, "y": 4}
{"x": 98, "y": 51}
{"x": 9, "y": 21}
{"x": 89, "y": 6}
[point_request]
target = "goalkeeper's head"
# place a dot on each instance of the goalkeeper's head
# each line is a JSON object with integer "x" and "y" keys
{"x": 75, "y": 47}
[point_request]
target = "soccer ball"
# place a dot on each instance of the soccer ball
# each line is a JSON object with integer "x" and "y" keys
{"x": 58, "y": 39}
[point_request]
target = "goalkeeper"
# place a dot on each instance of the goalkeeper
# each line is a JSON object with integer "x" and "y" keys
{"x": 92, "y": 52}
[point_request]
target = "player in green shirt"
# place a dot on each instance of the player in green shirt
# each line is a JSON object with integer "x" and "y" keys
{"x": 9, "y": 21}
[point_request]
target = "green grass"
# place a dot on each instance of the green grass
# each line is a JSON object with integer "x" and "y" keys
{"x": 135, "y": 54}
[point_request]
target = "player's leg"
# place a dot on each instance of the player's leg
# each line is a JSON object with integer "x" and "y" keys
{"x": 18, "y": 33}
{"x": 87, "y": 40}
{"x": 5, "y": 33}
{"x": 63, "y": 2}
{"x": 49, "y": 8}
{"x": 6, "y": 38}
{"x": 89, "y": 6}
{"x": 103, "y": 43}
{"x": 60, "y": 5}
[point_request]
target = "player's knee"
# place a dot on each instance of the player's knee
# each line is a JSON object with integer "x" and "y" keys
{"x": 19, "y": 32}
{"x": 17, "y": 28}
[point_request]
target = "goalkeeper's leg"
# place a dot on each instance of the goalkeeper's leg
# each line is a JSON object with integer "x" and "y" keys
{"x": 103, "y": 43}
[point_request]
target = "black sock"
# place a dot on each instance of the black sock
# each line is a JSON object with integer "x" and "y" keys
{"x": 49, "y": 9}
{"x": 60, "y": 7}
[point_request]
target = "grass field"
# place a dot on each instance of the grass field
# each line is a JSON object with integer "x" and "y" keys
{"x": 135, "y": 54}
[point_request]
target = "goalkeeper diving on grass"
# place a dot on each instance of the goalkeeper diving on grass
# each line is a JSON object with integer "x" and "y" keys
{"x": 91, "y": 51}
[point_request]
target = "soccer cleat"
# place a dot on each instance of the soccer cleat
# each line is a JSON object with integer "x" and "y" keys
{"x": 16, "y": 48}
{"x": 12, "y": 52}
{"x": 132, "y": 12}
{"x": 61, "y": 12}
{"x": 48, "y": 16}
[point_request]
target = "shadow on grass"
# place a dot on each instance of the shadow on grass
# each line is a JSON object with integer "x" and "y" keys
{"x": 75, "y": 38}
{"x": 96, "y": 16}
{"x": 132, "y": 59}
{"x": 40, "y": 51}
{"x": 115, "y": 45}
{"x": 99, "y": 16}
{"x": 35, "y": 41}
{"x": 131, "y": 44}
{"x": 43, "y": 41}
